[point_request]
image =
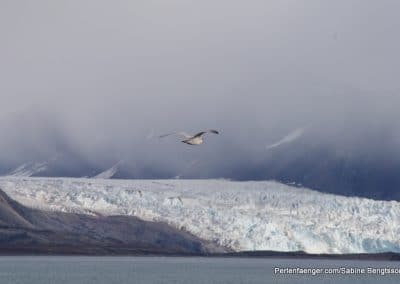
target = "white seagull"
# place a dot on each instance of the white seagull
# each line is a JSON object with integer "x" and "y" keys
{"x": 196, "y": 139}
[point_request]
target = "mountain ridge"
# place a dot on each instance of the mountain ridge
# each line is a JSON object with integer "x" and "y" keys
{"x": 23, "y": 229}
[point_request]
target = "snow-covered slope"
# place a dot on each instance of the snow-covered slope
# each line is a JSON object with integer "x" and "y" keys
{"x": 29, "y": 169}
{"x": 241, "y": 215}
{"x": 292, "y": 136}
{"x": 107, "y": 174}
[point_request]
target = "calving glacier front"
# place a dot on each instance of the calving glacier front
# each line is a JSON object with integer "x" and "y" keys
{"x": 240, "y": 215}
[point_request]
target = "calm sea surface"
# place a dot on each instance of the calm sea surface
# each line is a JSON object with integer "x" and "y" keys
{"x": 192, "y": 270}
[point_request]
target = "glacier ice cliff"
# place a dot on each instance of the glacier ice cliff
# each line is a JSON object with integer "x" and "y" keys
{"x": 263, "y": 215}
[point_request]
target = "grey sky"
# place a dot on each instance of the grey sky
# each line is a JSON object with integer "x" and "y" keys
{"x": 111, "y": 72}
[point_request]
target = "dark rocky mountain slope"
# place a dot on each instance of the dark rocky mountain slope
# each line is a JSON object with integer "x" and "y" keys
{"x": 29, "y": 231}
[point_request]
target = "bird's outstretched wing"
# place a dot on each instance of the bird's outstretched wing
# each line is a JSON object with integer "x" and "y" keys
{"x": 207, "y": 131}
{"x": 182, "y": 134}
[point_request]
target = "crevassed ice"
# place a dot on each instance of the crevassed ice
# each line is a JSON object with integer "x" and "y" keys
{"x": 241, "y": 215}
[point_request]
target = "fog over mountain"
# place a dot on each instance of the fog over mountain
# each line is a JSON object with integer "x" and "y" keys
{"x": 89, "y": 85}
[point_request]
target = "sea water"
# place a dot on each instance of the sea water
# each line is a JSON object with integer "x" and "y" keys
{"x": 192, "y": 270}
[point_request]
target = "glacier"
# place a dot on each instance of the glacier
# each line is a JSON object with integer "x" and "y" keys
{"x": 244, "y": 216}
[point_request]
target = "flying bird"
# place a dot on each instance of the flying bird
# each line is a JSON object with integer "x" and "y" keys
{"x": 196, "y": 139}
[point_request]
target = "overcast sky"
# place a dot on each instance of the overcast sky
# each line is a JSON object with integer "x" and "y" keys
{"x": 108, "y": 74}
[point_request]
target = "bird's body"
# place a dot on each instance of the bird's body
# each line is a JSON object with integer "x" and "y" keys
{"x": 192, "y": 139}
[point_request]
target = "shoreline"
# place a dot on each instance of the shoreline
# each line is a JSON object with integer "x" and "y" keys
{"x": 389, "y": 256}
